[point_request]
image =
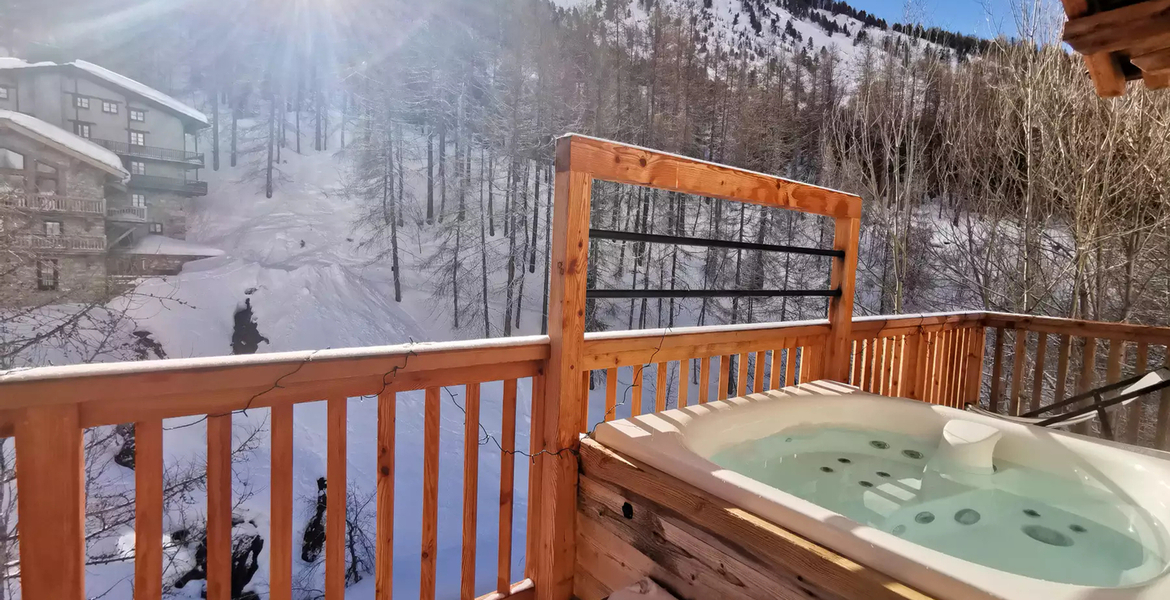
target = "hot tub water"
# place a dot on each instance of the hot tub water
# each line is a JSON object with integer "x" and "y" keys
{"x": 1015, "y": 519}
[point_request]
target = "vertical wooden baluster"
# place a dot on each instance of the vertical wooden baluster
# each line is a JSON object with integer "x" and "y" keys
{"x": 1062, "y": 360}
{"x": 219, "y": 507}
{"x": 586, "y": 381}
{"x": 742, "y": 374}
{"x": 954, "y": 381}
{"x": 281, "y": 510}
{"x": 790, "y": 366}
{"x": 1019, "y": 351}
{"x": 758, "y": 380}
{"x": 942, "y": 366}
{"x": 636, "y": 391}
{"x": 1088, "y": 374}
{"x": 806, "y": 364}
{"x": 384, "y": 513}
{"x": 704, "y": 379}
{"x": 430, "y": 490}
{"x": 954, "y": 338}
{"x": 535, "y": 474}
{"x": 148, "y": 507}
{"x": 1163, "y": 426}
{"x": 1113, "y": 375}
{"x": 51, "y": 503}
{"x": 894, "y": 388}
{"x": 867, "y": 371}
{"x": 335, "y": 492}
{"x": 858, "y": 349}
{"x": 684, "y": 381}
{"x": 922, "y": 377}
{"x": 660, "y": 387}
{"x": 909, "y": 385}
{"x": 507, "y": 484}
{"x": 997, "y": 370}
{"x": 775, "y": 364}
{"x": 1038, "y": 372}
{"x": 1133, "y": 413}
{"x": 963, "y": 370}
{"x": 470, "y": 489}
{"x": 975, "y": 365}
{"x": 882, "y": 369}
{"x": 724, "y": 376}
{"x": 937, "y": 346}
{"x": 611, "y": 382}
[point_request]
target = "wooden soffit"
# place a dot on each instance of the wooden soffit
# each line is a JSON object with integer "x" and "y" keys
{"x": 1121, "y": 40}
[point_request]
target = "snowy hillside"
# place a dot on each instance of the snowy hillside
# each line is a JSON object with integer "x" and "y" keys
{"x": 764, "y": 28}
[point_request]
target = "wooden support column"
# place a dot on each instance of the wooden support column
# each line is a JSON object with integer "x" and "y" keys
{"x": 835, "y": 364}
{"x": 566, "y": 329}
{"x": 51, "y": 503}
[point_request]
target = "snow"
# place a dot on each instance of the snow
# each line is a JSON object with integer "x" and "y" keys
{"x": 55, "y": 135}
{"x": 11, "y": 62}
{"x": 160, "y": 244}
{"x": 141, "y": 89}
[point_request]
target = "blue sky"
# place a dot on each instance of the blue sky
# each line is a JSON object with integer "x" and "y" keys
{"x": 962, "y": 16}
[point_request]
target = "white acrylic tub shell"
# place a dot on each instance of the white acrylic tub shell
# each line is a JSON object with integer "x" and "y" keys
{"x": 677, "y": 442}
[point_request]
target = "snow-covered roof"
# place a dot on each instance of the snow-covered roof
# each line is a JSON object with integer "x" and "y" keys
{"x": 11, "y": 62}
{"x": 163, "y": 245}
{"x": 55, "y": 137}
{"x": 141, "y": 89}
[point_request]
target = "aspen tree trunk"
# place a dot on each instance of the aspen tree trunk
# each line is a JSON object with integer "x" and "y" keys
{"x": 483, "y": 249}
{"x": 430, "y": 176}
{"x": 215, "y": 129}
{"x": 548, "y": 196}
{"x": 235, "y": 120}
{"x": 442, "y": 168}
{"x": 271, "y": 143}
{"x": 391, "y": 217}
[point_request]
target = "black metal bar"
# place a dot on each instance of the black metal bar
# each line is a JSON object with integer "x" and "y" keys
{"x": 608, "y": 234}
{"x": 710, "y": 293}
{"x": 1117, "y": 385}
{"x": 1103, "y": 405}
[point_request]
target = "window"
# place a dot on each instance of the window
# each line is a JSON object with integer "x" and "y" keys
{"x": 110, "y": 107}
{"x": 81, "y": 129}
{"x": 47, "y": 274}
{"x": 137, "y": 168}
{"x": 3, "y": 93}
{"x": 81, "y": 102}
{"x": 53, "y": 228}
{"x": 137, "y": 138}
{"x": 156, "y": 228}
{"x": 138, "y": 200}
{"x": 10, "y": 159}
{"x": 137, "y": 115}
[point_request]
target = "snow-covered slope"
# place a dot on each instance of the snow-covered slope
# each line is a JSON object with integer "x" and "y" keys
{"x": 763, "y": 28}
{"x": 297, "y": 261}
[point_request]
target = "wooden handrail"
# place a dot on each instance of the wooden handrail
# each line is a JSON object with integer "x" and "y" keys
{"x": 1129, "y": 332}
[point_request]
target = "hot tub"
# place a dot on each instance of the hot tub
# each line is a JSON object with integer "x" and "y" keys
{"x": 1046, "y": 515}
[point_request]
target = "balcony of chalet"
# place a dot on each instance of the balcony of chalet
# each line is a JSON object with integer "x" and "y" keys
{"x": 1007, "y": 363}
{"x": 136, "y": 151}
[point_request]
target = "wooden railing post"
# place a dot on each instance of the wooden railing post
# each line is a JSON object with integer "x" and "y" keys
{"x": 563, "y": 392}
{"x": 835, "y": 362}
{"x": 51, "y": 502}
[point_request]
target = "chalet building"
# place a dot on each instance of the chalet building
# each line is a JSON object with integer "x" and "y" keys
{"x": 154, "y": 135}
{"x": 96, "y": 175}
{"x": 53, "y": 223}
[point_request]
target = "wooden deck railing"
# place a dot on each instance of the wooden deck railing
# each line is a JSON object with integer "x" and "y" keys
{"x": 1024, "y": 375}
{"x": 936, "y": 358}
{"x": 48, "y": 409}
